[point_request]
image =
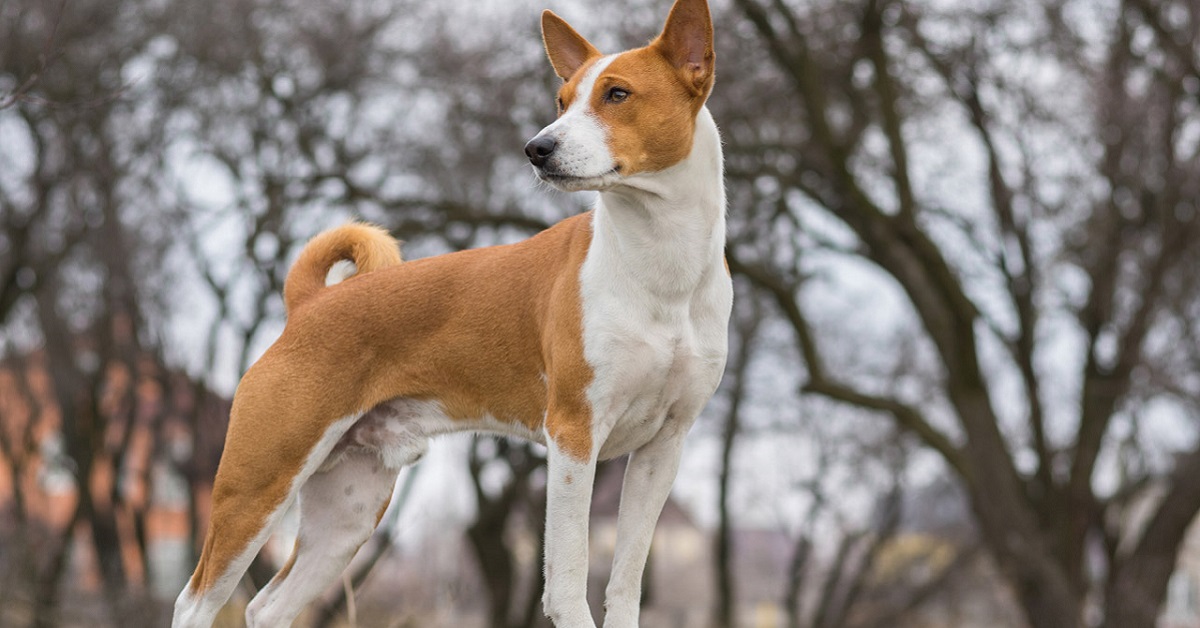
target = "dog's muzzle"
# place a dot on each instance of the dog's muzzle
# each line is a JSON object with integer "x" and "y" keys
{"x": 539, "y": 149}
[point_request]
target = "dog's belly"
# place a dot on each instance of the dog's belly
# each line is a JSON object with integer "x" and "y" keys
{"x": 399, "y": 430}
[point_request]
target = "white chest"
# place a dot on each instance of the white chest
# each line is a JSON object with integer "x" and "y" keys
{"x": 655, "y": 361}
{"x": 656, "y": 298}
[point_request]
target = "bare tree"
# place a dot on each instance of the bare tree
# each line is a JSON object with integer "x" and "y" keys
{"x": 1034, "y": 226}
{"x": 747, "y": 327}
{"x": 80, "y": 292}
{"x": 1080, "y": 226}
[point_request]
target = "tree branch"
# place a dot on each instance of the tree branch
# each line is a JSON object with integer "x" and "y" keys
{"x": 885, "y": 87}
{"x": 907, "y": 416}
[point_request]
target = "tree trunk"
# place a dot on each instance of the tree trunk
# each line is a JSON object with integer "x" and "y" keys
{"x": 496, "y": 561}
{"x": 532, "y": 615}
{"x": 1137, "y": 582}
{"x": 1040, "y": 584}
{"x": 496, "y": 566}
{"x": 797, "y": 570}
{"x": 48, "y": 579}
{"x": 107, "y": 545}
{"x": 1136, "y": 592}
{"x": 725, "y": 611}
{"x": 1048, "y": 607}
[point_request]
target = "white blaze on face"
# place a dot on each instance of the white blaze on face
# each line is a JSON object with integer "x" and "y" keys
{"x": 582, "y": 139}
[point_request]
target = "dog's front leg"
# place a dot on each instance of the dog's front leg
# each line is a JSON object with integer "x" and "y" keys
{"x": 648, "y": 479}
{"x": 568, "y": 502}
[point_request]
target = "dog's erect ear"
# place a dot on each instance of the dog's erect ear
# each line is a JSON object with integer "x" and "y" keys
{"x": 567, "y": 49}
{"x": 687, "y": 42}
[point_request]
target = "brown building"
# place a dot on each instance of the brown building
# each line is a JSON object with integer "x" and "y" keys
{"x": 152, "y": 438}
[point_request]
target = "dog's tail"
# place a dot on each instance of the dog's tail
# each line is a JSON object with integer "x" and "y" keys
{"x": 336, "y": 255}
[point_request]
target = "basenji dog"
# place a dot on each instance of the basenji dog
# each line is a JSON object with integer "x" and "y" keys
{"x": 602, "y": 336}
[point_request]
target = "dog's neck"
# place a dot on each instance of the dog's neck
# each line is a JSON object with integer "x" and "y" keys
{"x": 666, "y": 230}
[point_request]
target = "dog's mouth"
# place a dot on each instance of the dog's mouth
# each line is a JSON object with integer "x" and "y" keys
{"x": 577, "y": 183}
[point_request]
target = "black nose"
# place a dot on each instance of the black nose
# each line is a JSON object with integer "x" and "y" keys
{"x": 539, "y": 149}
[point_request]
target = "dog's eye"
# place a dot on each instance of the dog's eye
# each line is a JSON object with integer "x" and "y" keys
{"x": 561, "y": 107}
{"x": 616, "y": 94}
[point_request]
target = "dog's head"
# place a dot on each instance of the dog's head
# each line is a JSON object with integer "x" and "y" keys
{"x": 625, "y": 114}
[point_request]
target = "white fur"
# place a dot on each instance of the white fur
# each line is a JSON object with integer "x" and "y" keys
{"x": 656, "y": 301}
{"x": 338, "y": 506}
{"x": 340, "y": 271}
{"x": 582, "y": 159}
{"x": 648, "y": 479}
{"x": 656, "y": 297}
{"x": 398, "y": 431}
{"x": 568, "y": 500}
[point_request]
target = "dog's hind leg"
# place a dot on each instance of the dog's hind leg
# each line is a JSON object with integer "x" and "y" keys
{"x": 339, "y": 508}
{"x": 249, "y": 497}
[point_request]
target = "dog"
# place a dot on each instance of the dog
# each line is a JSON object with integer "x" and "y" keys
{"x": 602, "y": 336}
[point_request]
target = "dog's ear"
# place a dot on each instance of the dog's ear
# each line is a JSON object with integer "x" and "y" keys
{"x": 687, "y": 42}
{"x": 567, "y": 49}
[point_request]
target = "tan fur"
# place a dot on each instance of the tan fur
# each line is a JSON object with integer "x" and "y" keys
{"x": 474, "y": 330}
{"x": 368, "y": 246}
{"x": 667, "y": 82}
{"x": 567, "y": 49}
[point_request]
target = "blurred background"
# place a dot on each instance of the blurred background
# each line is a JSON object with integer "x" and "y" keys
{"x": 964, "y": 375}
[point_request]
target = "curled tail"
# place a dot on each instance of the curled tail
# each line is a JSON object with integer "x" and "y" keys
{"x": 336, "y": 255}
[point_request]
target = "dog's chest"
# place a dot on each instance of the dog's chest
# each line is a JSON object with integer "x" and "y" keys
{"x": 655, "y": 362}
